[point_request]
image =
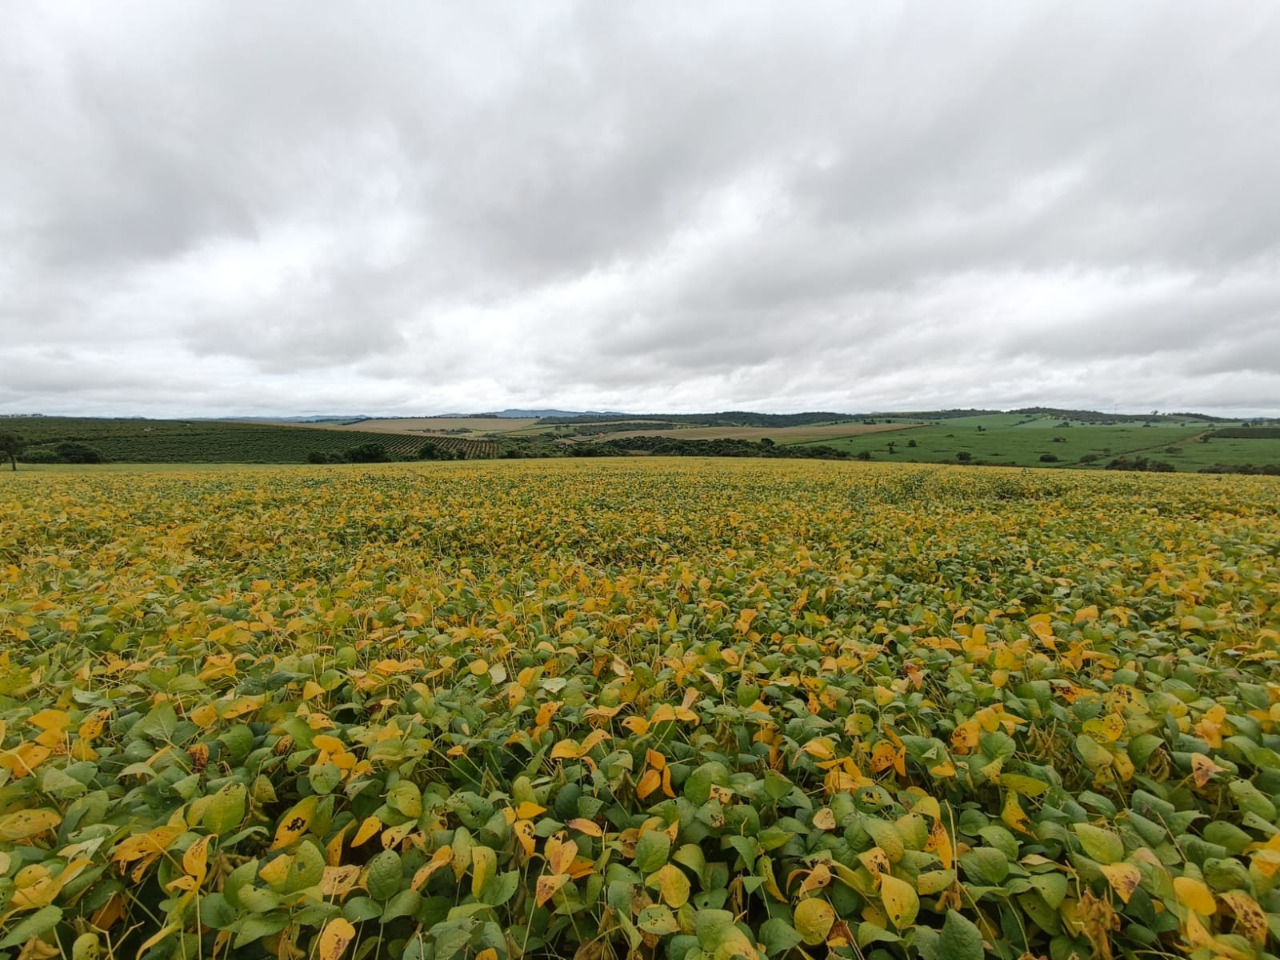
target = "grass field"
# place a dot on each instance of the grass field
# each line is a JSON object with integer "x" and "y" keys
{"x": 694, "y": 709}
{"x": 1222, "y": 450}
{"x": 1015, "y": 440}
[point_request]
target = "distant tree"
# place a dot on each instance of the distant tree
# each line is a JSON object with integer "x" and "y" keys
{"x": 432, "y": 451}
{"x": 1048, "y": 458}
{"x": 964, "y": 456}
{"x": 766, "y": 442}
{"x": 981, "y": 428}
{"x": 367, "y": 453}
{"x": 317, "y": 456}
{"x": 912, "y": 442}
{"x": 72, "y": 452}
{"x": 11, "y": 444}
{"x": 891, "y": 445}
{"x": 864, "y": 454}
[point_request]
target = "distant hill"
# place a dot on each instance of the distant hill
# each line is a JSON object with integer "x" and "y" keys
{"x": 517, "y": 414}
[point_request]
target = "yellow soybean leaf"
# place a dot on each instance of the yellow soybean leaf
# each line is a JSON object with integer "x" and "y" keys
{"x": 1250, "y": 917}
{"x": 566, "y": 750}
{"x": 939, "y": 842}
{"x": 548, "y": 884}
{"x": 204, "y": 716}
{"x": 523, "y": 829}
{"x": 899, "y": 899}
{"x": 295, "y": 823}
{"x": 813, "y": 920}
{"x": 196, "y": 859}
{"x": 368, "y": 828}
{"x": 335, "y": 936}
{"x": 672, "y": 885}
{"x": 276, "y": 872}
{"x": 439, "y": 860}
{"x": 1014, "y": 817}
{"x": 51, "y": 720}
{"x": 1123, "y": 877}
{"x": 484, "y": 863}
{"x": 1203, "y": 769}
{"x": 337, "y": 882}
{"x": 1085, "y": 615}
{"x": 1195, "y": 895}
{"x": 27, "y": 823}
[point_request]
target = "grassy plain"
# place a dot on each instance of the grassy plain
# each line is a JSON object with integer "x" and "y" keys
{"x": 691, "y": 708}
{"x": 1222, "y": 451}
{"x": 1015, "y": 440}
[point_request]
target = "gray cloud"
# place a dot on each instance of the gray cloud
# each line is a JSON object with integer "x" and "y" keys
{"x": 209, "y": 210}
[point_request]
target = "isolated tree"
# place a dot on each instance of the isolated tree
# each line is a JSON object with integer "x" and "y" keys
{"x": 891, "y": 445}
{"x": 11, "y": 444}
{"x": 911, "y": 442}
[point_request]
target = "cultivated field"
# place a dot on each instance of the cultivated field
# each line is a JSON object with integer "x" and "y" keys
{"x": 684, "y": 709}
{"x": 437, "y": 425}
{"x": 817, "y": 433}
{"x": 199, "y": 441}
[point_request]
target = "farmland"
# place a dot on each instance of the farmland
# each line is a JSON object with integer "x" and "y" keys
{"x": 438, "y": 425}
{"x": 1062, "y": 439}
{"x": 812, "y": 433}
{"x": 694, "y": 709}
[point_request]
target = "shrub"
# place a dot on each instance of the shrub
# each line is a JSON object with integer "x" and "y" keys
{"x": 964, "y": 456}
{"x": 1048, "y": 458}
{"x": 72, "y": 452}
{"x": 367, "y": 453}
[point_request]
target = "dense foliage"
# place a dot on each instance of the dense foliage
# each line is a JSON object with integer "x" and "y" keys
{"x": 194, "y": 441}
{"x": 690, "y": 710}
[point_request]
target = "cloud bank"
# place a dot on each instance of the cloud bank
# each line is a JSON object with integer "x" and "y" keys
{"x": 207, "y": 209}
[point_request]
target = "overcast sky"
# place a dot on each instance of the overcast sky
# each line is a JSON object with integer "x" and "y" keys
{"x": 291, "y": 208}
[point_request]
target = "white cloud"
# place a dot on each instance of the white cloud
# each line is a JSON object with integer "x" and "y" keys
{"x": 207, "y": 210}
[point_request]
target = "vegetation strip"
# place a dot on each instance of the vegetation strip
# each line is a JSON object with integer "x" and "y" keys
{"x": 680, "y": 709}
